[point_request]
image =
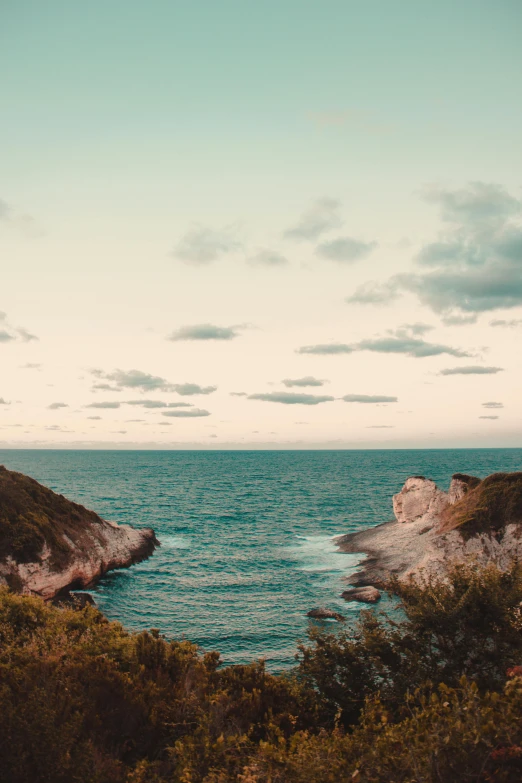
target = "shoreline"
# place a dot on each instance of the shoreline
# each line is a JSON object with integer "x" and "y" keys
{"x": 391, "y": 548}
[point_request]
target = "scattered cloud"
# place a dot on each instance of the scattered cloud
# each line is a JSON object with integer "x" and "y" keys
{"x": 345, "y": 250}
{"x": 108, "y": 405}
{"x": 9, "y": 333}
{"x": 410, "y": 346}
{"x": 290, "y": 398}
{"x": 188, "y": 389}
{"x": 269, "y": 258}
{"x": 31, "y": 366}
{"x": 54, "y": 406}
{"x": 374, "y": 293}
{"x": 238, "y": 394}
{"x": 471, "y": 370}
{"x": 322, "y": 216}
{"x": 474, "y": 265}
{"x": 105, "y": 387}
{"x": 417, "y": 329}
{"x": 202, "y": 245}
{"x": 205, "y": 332}
{"x": 20, "y": 222}
{"x": 4, "y": 402}
{"x": 308, "y": 380}
{"x": 509, "y": 324}
{"x": 492, "y": 404}
{"x": 133, "y": 379}
{"x": 142, "y": 381}
{"x": 459, "y": 320}
{"x": 184, "y": 414}
{"x": 488, "y": 417}
{"x": 326, "y": 348}
{"x": 368, "y": 398}
{"x": 94, "y": 418}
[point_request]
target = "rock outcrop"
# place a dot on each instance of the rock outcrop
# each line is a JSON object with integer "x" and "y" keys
{"x": 49, "y": 544}
{"x": 325, "y": 614}
{"x": 474, "y": 519}
{"x": 420, "y": 500}
{"x": 367, "y": 595}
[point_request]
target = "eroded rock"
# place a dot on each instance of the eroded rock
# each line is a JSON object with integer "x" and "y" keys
{"x": 419, "y": 500}
{"x": 367, "y": 595}
{"x": 321, "y": 613}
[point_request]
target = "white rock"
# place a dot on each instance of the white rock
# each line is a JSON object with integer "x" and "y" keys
{"x": 419, "y": 500}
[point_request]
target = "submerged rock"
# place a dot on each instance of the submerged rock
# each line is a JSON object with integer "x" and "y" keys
{"x": 49, "y": 544}
{"x": 321, "y": 613}
{"x": 367, "y": 595}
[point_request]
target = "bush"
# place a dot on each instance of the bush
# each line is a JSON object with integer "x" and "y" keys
{"x": 421, "y": 699}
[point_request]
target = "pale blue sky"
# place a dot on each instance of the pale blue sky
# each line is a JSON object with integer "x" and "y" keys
{"x": 130, "y": 129}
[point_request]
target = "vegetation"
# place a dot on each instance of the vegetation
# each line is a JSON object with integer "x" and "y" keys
{"x": 487, "y": 507}
{"x": 436, "y": 697}
{"x": 32, "y": 515}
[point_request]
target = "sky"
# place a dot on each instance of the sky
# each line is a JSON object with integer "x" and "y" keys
{"x": 288, "y": 224}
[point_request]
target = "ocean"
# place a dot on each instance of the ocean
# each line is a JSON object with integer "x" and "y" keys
{"x": 246, "y": 536}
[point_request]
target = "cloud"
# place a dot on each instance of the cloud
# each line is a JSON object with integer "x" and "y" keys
{"x": 471, "y": 370}
{"x": 266, "y": 257}
{"x": 492, "y": 404}
{"x": 322, "y": 216}
{"x": 4, "y": 402}
{"x": 94, "y": 418}
{"x": 54, "y": 406}
{"x": 459, "y": 320}
{"x": 410, "y": 346}
{"x": 511, "y": 324}
{"x": 488, "y": 417}
{"x": 380, "y": 427}
{"x": 22, "y": 223}
{"x": 368, "y": 398}
{"x": 104, "y": 387}
{"x": 479, "y": 204}
{"x": 26, "y": 336}
{"x": 202, "y": 245}
{"x": 142, "y": 381}
{"x": 374, "y": 293}
{"x": 345, "y": 249}
{"x": 238, "y": 394}
{"x": 158, "y": 404}
{"x": 308, "y": 380}
{"x": 326, "y": 349}
{"x": 184, "y": 414}
{"x": 108, "y": 405}
{"x": 31, "y": 366}
{"x": 475, "y": 264}
{"x": 134, "y": 379}
{"x": 9, "y": 333}
{"x": 417, "y": 328}
{"x": 289, "y": 398}
{"x": 187, "y": 389}
{"x": 204, "y": 332}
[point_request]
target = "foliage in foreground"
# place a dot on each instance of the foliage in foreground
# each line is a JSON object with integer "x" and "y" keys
{"x": 426, "y": 700}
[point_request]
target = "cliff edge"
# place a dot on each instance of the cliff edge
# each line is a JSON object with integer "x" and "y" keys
{"x": 432, "y": 528}
{"x": 49, "y": 544}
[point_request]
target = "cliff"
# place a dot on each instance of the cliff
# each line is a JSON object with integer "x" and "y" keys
{"x": 49, "y": 544}
{"x": 432, "y": 528}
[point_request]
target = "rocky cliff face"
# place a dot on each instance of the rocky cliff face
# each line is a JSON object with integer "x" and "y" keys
{"x": 49, "y": 544}
{"x": 474, "y": 519}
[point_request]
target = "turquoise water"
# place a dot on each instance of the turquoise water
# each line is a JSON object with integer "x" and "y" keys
{"x": 246, "y": 536}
